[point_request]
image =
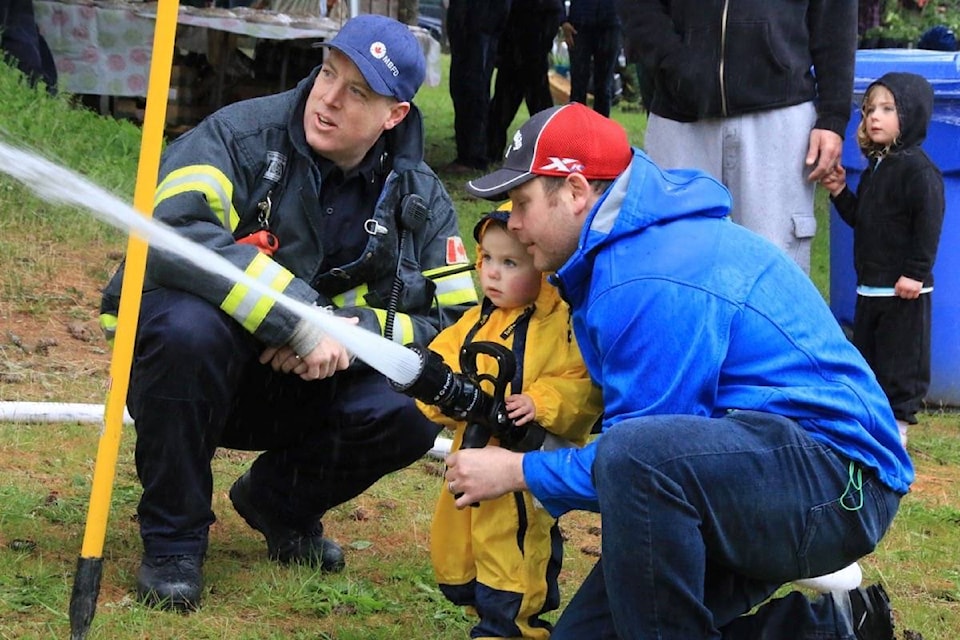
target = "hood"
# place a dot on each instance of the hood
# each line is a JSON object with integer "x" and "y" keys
{"x": 914, "y": 98}
{"x": 548, "y": 300}
{"x": 642, "y": 197}
{"x": 404, "y": 141}
{"x": 646, "y": 195}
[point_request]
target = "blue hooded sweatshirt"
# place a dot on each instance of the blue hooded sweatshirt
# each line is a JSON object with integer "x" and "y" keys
{"x": 680, "y": 311}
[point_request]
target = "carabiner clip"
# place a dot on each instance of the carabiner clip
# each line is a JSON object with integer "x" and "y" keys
{"x": 264, "y": 216}
{"x": 374, "y": 228}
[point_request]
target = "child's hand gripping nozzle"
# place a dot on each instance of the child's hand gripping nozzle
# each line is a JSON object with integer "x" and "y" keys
{"x": 460, "y": 396}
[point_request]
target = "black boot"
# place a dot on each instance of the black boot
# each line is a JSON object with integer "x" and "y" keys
{"x": 171, "y": 582}
{"x": 872, "y": 617}
{"x": 284, "y": 543}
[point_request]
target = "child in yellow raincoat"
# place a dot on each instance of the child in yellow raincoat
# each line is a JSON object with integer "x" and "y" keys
{"x": 502, "y": 558}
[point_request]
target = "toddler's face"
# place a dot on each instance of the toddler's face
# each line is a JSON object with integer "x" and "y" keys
{"x": 507, "y": 275}
{"x": 880, "y": 113}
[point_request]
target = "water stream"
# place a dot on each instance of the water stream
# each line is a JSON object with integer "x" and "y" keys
{"x": 58, "y": 184}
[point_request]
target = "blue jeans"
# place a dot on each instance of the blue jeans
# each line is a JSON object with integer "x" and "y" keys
{"x": 705, "y": 518}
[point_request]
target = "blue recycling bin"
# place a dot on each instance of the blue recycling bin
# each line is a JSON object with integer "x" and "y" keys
{"x": 942, "y": 70}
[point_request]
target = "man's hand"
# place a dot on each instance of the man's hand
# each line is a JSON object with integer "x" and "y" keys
{"x": 328, "y": 357}
{"x": 824, "y": 153}
{"x": 907, "y": 288}
{"x": 482, "y": 474}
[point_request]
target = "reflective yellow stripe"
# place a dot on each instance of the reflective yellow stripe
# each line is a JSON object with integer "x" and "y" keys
{"x": 208, "y": 181}
{"x": 108, "y": 324}
{"x": 246, "y": 306}
{"x": 454, "y": 289}
{"x": 451, "y": 290}
{"x": 460, "y": 289}
{"x": 402, "y": 326}
{"x": 352, "y": 298}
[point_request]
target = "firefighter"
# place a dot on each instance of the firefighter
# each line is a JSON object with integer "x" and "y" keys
{"x": 305, "y": 192}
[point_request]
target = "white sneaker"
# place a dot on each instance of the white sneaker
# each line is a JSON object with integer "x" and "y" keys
{"x": 843, "y": 580}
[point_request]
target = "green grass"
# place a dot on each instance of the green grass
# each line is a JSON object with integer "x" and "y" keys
{"x": 31, "y": 230}
{"x": 388, "y": 589}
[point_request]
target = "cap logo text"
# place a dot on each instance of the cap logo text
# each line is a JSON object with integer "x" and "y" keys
{"x": 563, "y": 165}
{"x": 379, "y": 51}
{"x": 517, "y": 140}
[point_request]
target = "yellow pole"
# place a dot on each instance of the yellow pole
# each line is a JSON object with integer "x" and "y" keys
{"x": 89, "y": 567}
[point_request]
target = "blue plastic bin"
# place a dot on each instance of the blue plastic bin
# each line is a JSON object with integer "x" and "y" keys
{"x": 942, "y": 70}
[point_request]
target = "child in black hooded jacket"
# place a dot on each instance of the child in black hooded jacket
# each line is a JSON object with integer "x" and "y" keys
{"x": 896, "y": 215}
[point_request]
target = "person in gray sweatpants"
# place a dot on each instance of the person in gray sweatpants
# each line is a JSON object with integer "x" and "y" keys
{"x": 764, "y": 170}
{"x": 755, "y": 92}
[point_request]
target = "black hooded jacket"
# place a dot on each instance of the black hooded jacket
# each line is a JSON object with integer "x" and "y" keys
{"x": 897, "y": 212}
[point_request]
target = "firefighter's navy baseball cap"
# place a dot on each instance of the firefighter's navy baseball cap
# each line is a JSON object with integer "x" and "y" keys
{"x": 571, "y": 138}
{"x": 386, "y": 52}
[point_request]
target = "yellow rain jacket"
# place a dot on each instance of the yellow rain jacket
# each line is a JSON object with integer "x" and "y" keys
{"x": 502, "y": 558}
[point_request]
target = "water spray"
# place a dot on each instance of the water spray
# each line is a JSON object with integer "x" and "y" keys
{"x": 60, "y": 185}
{"x": 417, "y": 371}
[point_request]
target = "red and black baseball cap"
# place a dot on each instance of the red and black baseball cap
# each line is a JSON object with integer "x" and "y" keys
{"x": 571, "y": 138}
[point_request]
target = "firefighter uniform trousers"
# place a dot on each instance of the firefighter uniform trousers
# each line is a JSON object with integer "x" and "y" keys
{"x": 324, "y": 442}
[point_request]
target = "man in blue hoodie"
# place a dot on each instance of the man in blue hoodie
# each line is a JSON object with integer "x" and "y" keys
{"x": 745, "y": 442}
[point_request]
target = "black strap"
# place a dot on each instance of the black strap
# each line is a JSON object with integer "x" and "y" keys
{"x": 518, "y": 328}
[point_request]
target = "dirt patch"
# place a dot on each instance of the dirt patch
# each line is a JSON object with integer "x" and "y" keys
{"x": 937, "y": 487}
{"x": 51, "y": 347}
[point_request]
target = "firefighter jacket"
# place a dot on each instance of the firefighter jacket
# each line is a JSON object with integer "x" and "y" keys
{"x": 247, "y": 168}
{"x": 502, "y": 557}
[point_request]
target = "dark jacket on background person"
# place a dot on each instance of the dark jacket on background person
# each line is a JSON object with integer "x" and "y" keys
{"x": 22, "y": 44}
{"x": 899, "y": 205}
{"x": 213, "y": 199}
{"x": 718, "y": 58}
